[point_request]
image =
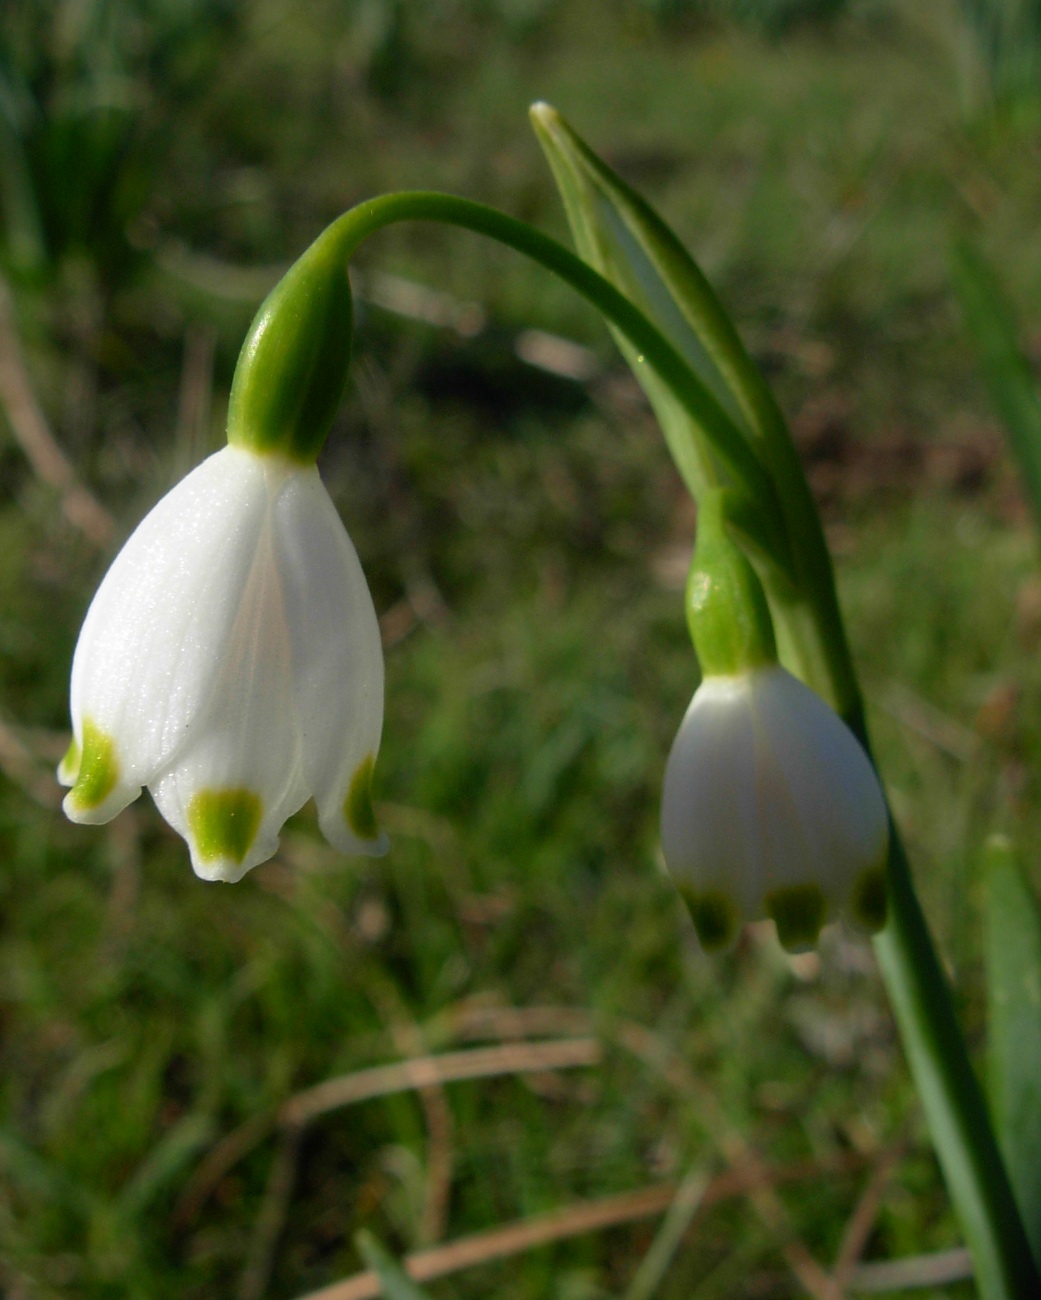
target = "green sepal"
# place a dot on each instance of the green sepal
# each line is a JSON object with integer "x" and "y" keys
{"x": 727, "y": 613}
{"x": 292, "y": 369}
{"x": 1012, "y": 951}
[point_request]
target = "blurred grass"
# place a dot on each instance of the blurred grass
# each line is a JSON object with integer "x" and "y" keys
{"x": 525, "y": 539}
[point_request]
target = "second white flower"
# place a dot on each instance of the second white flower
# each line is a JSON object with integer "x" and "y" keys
{"x": 771, "y": 808}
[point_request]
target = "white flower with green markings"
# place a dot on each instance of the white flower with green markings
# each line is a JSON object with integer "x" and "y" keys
{"x": 231, "y": 662}
{"x": 772, "y": 808}
{"x": 770, "y": 805}
{"x": 231, "y": 659}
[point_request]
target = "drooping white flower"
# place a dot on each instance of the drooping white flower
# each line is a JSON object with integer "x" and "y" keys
{"x": 231, "y": 662}
{"x": 772, "y": 808}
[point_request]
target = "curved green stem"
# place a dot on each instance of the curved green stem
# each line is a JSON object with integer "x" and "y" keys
{"x": 355, "y": 226}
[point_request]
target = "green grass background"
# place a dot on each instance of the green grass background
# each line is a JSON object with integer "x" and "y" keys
{"x": 526, "y": 539}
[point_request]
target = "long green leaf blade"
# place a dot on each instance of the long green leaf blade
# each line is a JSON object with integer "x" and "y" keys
{"x": 619, "y": 235}
{"x": 1013, "y": 389}
{"x": 1012, "y": 951}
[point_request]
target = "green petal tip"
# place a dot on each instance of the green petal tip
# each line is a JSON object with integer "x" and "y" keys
{"x": 224, "y": 823}
{"x": 798, "y": 912}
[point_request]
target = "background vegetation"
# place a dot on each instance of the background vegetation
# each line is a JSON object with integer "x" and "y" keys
{"x": 526, "y": 540}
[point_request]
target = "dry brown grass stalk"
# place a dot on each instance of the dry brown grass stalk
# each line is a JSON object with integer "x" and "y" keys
{"x": 571, "y": 1221}
{"x": 380, "y": 1081}
{"x": 30, "y": 428}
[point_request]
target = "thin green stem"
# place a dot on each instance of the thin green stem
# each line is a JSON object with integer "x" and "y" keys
{"x": 654, "y": 350}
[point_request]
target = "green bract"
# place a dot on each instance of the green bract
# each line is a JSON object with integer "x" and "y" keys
{"x": 616, "y": 231}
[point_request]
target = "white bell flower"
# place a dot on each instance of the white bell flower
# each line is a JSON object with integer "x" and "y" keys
{"x": 771, "y": 808}
{"x": 231, "y": 662}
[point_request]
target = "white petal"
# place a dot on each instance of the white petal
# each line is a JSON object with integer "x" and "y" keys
{"x": 337, "y": 661}
{"x": 831, "y": 781}
{"x": 771, "y": 806}
{"x": 709, "y": 818}
{"x": 232, "y": 786}
{"x": 144, "y": 670}
{"x": 784, "y": 762}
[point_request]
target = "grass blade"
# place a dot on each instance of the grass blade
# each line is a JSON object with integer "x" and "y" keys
{"x": 1012, "y": 951}
{"x": 396, "y": 1283}
{"x": 1013, "y": 389}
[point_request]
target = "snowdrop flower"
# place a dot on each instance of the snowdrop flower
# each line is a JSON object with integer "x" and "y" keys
{"x": 770, "y": 805}
{"x": 772, "y": 808}
{"x": 231, "y": 659}
{"x": 231, "y": 662}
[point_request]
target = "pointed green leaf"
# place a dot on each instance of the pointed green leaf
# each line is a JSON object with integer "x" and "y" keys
{"x": 1008, "y": 374}
{"x": 620, "y": 236}
{"x": 1012, "y": 952}
{"x": 617, "y": 232}
{"x": 394, "y": 1281}
{"x": 773, "y": 512}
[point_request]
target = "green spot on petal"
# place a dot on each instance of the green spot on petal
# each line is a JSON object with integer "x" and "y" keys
{"x": 798, "y": 911}
{"x": 714, "y": 917}
{"x": 358, "y": 811}
{"x": 69, "y": 767}
{"x": 97, "y": 769}
{"x": 868, "y": 903}
{"x": 224, "y": 823}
